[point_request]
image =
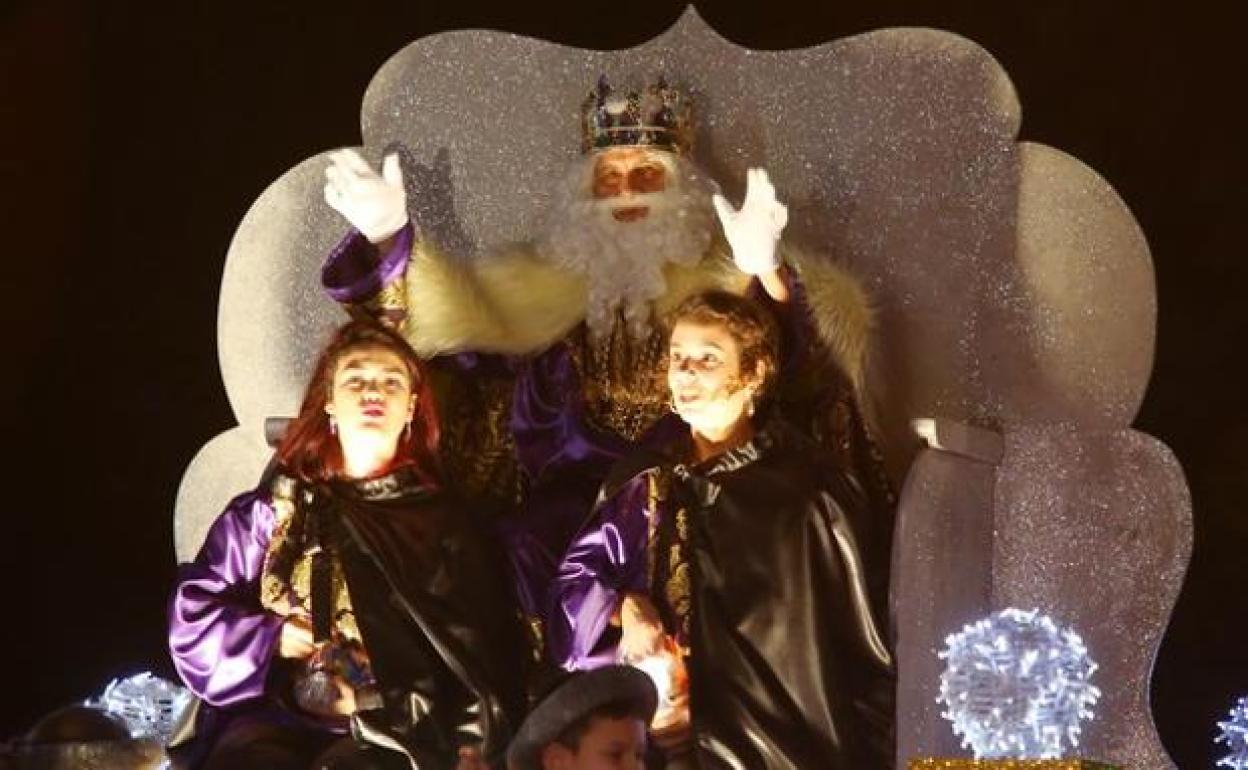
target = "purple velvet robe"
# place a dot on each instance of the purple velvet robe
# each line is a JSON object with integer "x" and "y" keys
{"x": 221, "y": 639}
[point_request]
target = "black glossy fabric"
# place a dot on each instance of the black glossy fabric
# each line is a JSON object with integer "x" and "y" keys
{"x": 788, "y": 667}
{"x": 437, "y": 619}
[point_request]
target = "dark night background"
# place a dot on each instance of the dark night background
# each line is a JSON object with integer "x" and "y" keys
{"x": 134, "y": 139}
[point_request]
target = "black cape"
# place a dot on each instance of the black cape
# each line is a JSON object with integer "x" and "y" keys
{"x": 788, "y": 665}
{"x": 438, "y": 621}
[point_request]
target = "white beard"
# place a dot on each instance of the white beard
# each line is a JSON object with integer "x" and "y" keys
{"x": 623, "y": 261}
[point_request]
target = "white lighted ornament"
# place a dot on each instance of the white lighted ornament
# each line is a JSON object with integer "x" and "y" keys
{"x": 149, "y": 705}
{"x": 1235, "y": 736}
{"x": 1016, "y": 686}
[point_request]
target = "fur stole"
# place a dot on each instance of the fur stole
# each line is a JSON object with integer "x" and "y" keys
{"x": 840, "y": 311}
{"x": 516, "y": 303}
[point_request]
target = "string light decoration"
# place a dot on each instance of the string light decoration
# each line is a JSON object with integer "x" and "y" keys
{"x": 1235, "y": 736}
{"x": 1016, "y": 686}
{"x": 149, "y": 705}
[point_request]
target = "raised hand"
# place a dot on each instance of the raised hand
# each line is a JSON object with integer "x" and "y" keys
{"x": 373, "y": 203}
{"x": 754, "y": 230}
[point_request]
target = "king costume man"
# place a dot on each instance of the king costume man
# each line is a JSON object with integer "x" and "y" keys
{"x": 553, "y": 353}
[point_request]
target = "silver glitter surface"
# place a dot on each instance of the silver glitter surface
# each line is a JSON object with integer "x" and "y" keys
{"x": 227, "y": 465}
{"x": 274, "y": 317}
{"x": 894, "y": 150}
{"x": 1090, "y": 307}
{"x": 1012, "y": 288}
{"x": 1094, "y": 527}
{"x": 945, "y": 514}
{"x": 1090, "y": 525}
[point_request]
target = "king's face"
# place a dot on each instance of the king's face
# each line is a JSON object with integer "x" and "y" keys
{"x": 625, "y": 173}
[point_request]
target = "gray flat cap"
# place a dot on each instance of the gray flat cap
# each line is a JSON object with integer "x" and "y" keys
{"x": 580, "y": 694}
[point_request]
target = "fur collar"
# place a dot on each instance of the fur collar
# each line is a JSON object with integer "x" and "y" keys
{"x": 515, "y": 303}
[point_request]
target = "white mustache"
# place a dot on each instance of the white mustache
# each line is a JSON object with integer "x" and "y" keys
{"x": 655, "y": 201}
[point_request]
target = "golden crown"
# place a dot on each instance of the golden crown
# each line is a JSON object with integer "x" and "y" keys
{"x": 659, "y": 117}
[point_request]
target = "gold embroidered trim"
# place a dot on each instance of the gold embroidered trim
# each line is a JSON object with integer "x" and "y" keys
{"x": 278, "y": 595}
{"x": 623, "y": 379}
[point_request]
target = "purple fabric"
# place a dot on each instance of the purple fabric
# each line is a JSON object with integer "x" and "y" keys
{"x": 221, "y": 640}
{"x": 548, "y": 419}
{"x": 565, "y": 460}
{"x": 353, "y": 273}
{"x": 605, "y": 561}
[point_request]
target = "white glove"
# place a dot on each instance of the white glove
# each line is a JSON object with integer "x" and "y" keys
{"x": 754, "y": 231}
{"x": 374, "y": 204}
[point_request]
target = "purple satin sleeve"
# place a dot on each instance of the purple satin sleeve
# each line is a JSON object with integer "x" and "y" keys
{"x": 354, "y": 272}
{"x": 605, "y": 561}
{"x": 220, "y": 638}
{"x": 548, "y": 419}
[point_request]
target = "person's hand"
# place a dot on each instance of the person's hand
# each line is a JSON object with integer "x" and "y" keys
{"x": 641, "y": 629}
{"x": 345, "y": 706}
{"x": 753, "y": 231}
{"x": 373, "y": 203}
{"x": 671, "y": 728}
{"x": 297, "y": 641}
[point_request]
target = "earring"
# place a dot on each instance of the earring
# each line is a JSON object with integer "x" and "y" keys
{"x": 671, "y": 404}
{"x": 749, "y": 406}
{"x": 333, "y": 426}
{"x": 407, "y": 433}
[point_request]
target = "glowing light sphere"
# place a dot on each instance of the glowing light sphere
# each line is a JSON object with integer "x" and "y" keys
{"x": 1016, "y": 686}
{"x": 1235, "y": 736}
{"x": 149, "y": 705}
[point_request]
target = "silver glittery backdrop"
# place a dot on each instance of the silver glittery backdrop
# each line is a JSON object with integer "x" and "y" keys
{"x": 1094, "y": 528}
{"x": 947, "y": 509}
{"x": 1013, "y": 288}
{"x": 895, "y": 152}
